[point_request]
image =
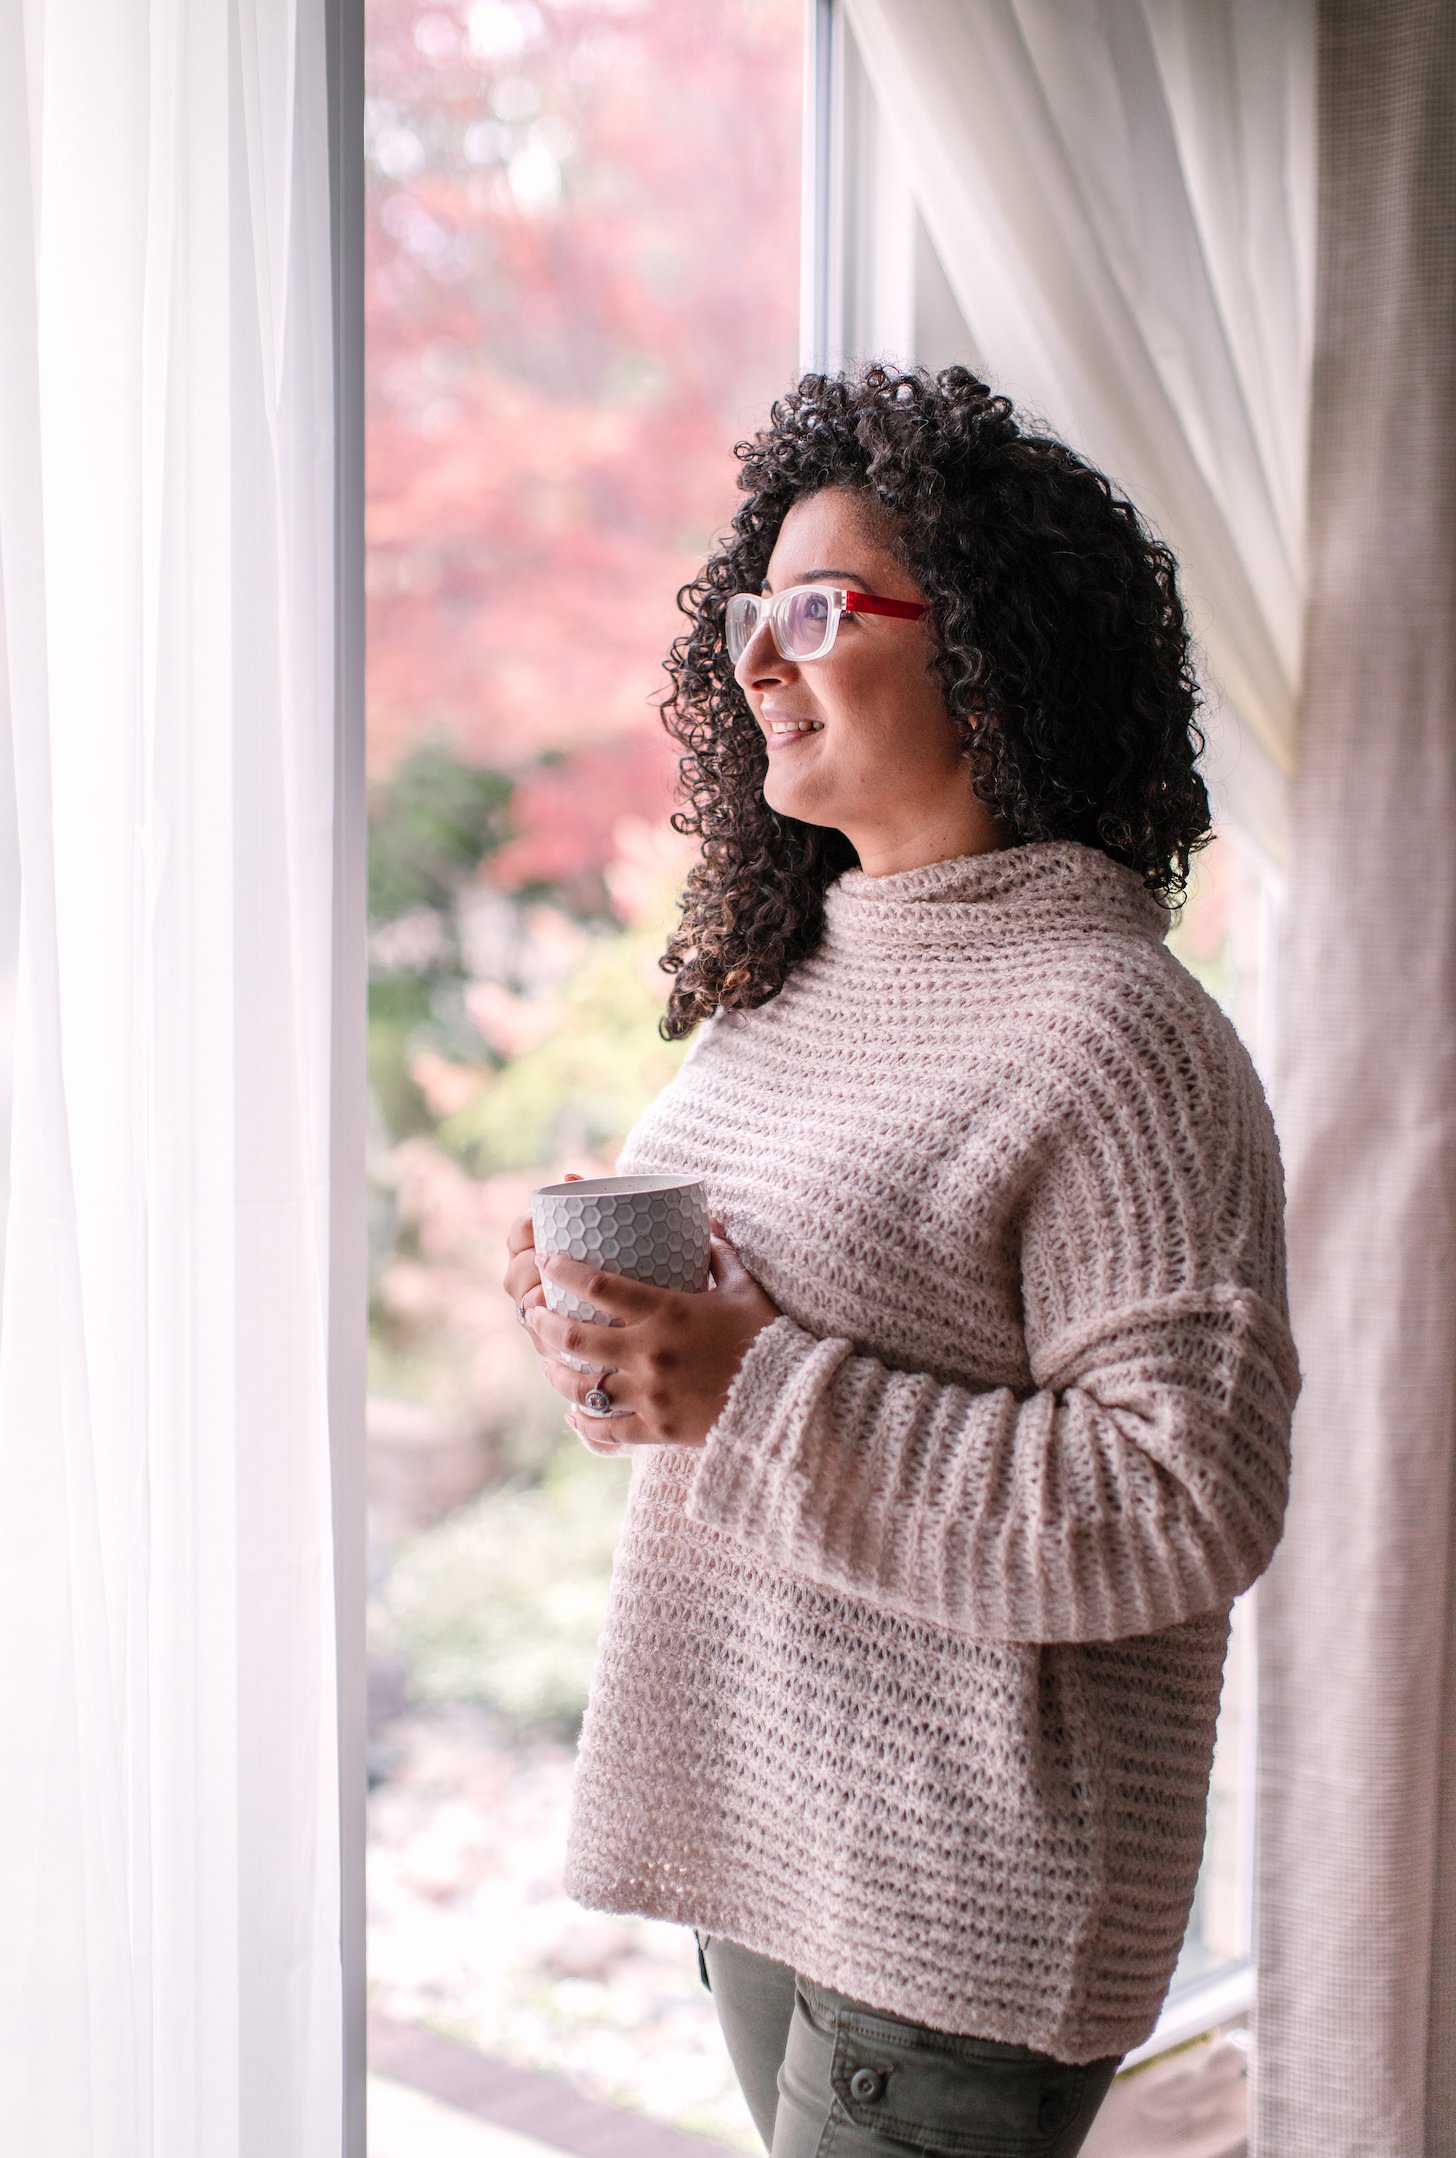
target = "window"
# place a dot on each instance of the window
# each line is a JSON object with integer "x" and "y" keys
{"x": 582, "y": 286}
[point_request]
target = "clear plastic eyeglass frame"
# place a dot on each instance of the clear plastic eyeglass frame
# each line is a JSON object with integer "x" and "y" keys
{"x": 803, "y": 619}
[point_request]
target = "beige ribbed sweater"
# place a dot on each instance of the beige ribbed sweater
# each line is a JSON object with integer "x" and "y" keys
{"x": 909, "y": 1677}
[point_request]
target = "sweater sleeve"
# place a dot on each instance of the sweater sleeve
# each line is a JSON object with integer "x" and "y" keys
{"x": 1141, "y": 1483}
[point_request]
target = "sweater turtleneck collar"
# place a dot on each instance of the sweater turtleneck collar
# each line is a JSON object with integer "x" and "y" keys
{"x": 1046, "y": 886}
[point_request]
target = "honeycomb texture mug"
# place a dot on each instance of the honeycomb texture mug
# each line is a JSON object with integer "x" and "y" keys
{"x": 650, "y": 1228}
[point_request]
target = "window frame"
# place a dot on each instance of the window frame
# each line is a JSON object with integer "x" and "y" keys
{"x": 348, "y": 1229}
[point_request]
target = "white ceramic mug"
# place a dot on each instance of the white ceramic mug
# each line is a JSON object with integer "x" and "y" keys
{"x": 650, "y": 1228}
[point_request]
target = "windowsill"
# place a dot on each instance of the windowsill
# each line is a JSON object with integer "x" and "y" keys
{"x": 1196, "y": 2008}
{"x": 1192, "y": 2103}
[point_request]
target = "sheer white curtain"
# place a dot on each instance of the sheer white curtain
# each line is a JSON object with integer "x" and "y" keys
{"x": 169, "y": 1829}
{"x": 1122, "y": 196}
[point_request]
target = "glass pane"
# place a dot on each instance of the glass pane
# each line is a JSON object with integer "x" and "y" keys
{"x": 1218, "y": 1927}
{"x": 582, "y": 288}
{"x": 1224, "y": 936}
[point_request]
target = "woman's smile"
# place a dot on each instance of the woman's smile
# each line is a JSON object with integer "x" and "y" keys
{"x": 781, "y": 732}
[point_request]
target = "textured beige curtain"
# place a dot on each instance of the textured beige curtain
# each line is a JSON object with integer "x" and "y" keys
{"x": 1356, "y": 1914}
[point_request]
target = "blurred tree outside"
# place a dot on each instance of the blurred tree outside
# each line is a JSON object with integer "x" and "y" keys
{"x": 582, "y": 288}
{"x": 581, "y": 262}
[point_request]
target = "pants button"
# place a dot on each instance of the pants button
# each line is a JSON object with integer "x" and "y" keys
{"x": 865, "y": 2085}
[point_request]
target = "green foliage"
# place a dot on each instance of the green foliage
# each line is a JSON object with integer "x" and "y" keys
{"x": 430, "y": 827}
{"x": 399, "y": 1009}
{"x": 502, "y": 1602}
{"x": 603, "y": 1059}
{"x": 588, "y": 1080}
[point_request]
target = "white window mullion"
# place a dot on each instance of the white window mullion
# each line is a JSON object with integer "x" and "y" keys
{"x": 861, "y": 237}
{"x": 348, "y": 1232}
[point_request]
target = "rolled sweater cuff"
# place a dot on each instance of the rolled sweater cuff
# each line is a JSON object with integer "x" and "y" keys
{"x": 750, "y": 1479}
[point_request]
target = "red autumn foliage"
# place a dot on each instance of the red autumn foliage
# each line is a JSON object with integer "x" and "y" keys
{"x": 582, "y": 287}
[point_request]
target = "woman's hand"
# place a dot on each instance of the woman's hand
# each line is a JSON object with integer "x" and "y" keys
{"x": 668, "y": 1365}
{"x": 522, "y": 1278}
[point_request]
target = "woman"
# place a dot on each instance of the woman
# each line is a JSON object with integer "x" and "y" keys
{"x": 942, "y": 1492}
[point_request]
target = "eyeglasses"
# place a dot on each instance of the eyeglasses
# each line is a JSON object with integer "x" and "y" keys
{"x": 804, "y": 619}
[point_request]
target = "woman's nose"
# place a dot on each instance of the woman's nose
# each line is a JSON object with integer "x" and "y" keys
{"x": 760, "y": 663}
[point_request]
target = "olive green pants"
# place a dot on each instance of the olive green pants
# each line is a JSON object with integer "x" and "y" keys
{"x": 829, "y": 2077}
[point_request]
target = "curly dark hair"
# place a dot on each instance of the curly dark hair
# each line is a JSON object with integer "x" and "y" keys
{"x": 1061, "y": 650}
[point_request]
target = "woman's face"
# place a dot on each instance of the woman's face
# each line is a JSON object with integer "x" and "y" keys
{"x": 883, "y": 761}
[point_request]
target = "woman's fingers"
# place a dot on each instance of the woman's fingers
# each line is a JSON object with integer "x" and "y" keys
{"x": 607, "y": 1434}
{"x": 560, "y": 1336}
{"x": 522, "y": 1273}
{"x": 622, "y": 1425}
{"x": 728, "y": 1270}
{"x": 609, "y": 1292}
{"x": 575, "y": 1385}
{"x": 595, "y": 1435}
{"x": 592, "y": 1444}
{"x": 521, "y": 1277}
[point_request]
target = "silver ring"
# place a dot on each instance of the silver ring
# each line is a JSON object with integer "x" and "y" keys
{"x": 521, "y": 1311}
{"x": 598, "y": 1402}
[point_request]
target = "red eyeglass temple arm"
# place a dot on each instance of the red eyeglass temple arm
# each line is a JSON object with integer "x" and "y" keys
{"x": 865, "y": 603}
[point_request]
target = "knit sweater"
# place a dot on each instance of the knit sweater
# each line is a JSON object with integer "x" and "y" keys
{"x": 909, "y": 1676}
